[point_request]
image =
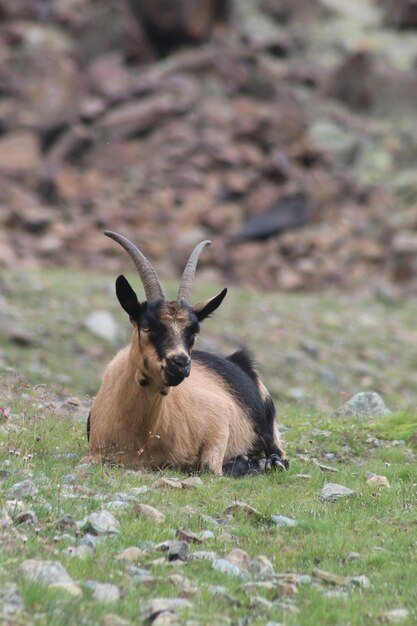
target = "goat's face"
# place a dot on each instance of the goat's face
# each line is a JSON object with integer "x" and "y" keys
{"x": 166, "y": 334}
{"x": 166, "y": 331}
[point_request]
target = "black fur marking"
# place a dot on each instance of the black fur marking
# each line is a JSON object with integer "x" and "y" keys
{"x": 239, "y": 374}
{"x": 241, "y": 466}
{"x": 88, "y": 426}
{"x": 244, "y": 360}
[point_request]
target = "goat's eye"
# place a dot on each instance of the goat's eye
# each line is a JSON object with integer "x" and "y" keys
{"x": 144, "y": 329}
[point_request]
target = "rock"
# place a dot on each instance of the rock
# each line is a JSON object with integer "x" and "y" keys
{"x": 287, "y": 213}
{"x": 282, "y": 520}
{"x": 188, "y": 536}
{"x": 178, "y": 551}
{"x": 167, "y": 483}
{"x": 151, "y": 609}
{"x": 102, "y": 324}
{"x": 114, "y": 620}
{"x": 101, "y": 523}
{"x": 26, "y": 517}
{"x": 221, "y": 565}
{"x": 24, "y": 489}
{"x": 332, "y": 137}
{"x": 183, "y": 584}
{"x": 334, "y": 579}
{"x": 333, "y": 491}
{"x": 240, "y": 558}
{"x": 46, "y": 572}
{"x": 374, "y": 480}
{"x": 392, "y": 617}
{"x": 130, "y": 554}
{"x": 149, "y": 513}
{"x": 104, "y": 592}
{"x": 363, "y": 404}
{"x": 11, "y": 600}
{"x": 129, "y": 119}
{"x": 242, "y": 507}
{"x": 71, "y": 588}
{"x": 81, "y": 552}
{"x": 65, "y": 521}
{"x": 19, "y": 153}
{"x": 261, "y": 567}
{"x": 192, "y": 482}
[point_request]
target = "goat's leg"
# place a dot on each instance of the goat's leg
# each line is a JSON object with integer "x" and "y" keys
{"x": 212, "y": 455}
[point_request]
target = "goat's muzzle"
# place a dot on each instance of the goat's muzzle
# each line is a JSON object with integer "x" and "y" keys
{"x": 177, "y": 368}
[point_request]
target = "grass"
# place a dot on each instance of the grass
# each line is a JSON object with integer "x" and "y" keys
{"x": 44, "y": 439}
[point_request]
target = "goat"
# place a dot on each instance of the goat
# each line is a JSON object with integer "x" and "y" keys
{"x": 160, "y": 406}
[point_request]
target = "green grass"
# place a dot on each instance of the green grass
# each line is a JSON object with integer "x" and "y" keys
{"x": 379, "y": 525}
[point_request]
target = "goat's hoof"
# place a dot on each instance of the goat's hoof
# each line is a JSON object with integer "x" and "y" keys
{"x": 275, "y": 462}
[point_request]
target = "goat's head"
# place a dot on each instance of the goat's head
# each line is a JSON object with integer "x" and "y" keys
{"x": 165, "y": 329}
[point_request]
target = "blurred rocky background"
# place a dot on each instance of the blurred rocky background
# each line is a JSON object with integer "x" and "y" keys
{"x": 283, "y": 131}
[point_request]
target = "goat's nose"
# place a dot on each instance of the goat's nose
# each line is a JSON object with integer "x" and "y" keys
{"x": 182, "y": 362}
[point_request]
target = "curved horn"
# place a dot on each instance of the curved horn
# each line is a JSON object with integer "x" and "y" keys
{"x": 184, "y": 290}
{"x": 148, "y": 276}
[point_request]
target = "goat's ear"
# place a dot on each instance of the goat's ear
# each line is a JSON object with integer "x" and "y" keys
{"x": 128, "y": 298}
{"x": 205, "y": 308}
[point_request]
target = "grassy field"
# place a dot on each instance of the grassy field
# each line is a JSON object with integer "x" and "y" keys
{"x": 313, "y": 352}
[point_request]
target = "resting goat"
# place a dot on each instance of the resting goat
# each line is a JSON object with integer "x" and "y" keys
{"x": 158, "y": 406}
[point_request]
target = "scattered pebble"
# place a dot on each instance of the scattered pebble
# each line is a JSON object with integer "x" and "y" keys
{"x": 151, "y": 609}
{"x": 167, "y": 483}
{"x": 392, "y": 617}
{"x": 261, "y": 567}
{"x": 333, "y": 491}
{"x": 11, "y": 600}
{"x": 364, "y": 404}
{"x": 240, "y": 558}
{"x": 114, "y": 620}
{"x": 101, "y": 523}
{"x": 103, "y": 592}
{"x": 374, "y": 480}
{"x": 149, "y": 512}
{"x": 130, "y": 554}
{"x": 221, "y": 565}
{"x": 242, "y": 507}
{"x": 282, "y": 520}
{"x": 188, "y": 536}
{"x": 192, "y": 482}
{"x": 46, "y": 572}
{"x": 178, "y": 551}
{"x": 71, "y": 588}
{"x": 81, "y": 552}
{"x": 102, "y": 324}
{"x": 23, "y": 489}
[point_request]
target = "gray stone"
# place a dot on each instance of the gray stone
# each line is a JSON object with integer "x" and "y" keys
{"x": 102, "y": 324}
{"x": 333, "y": 491}
{"x": 23, "y": 489}
{"x": 178, "y": 551}
{"x": 282, "y": 520}
{"x": 114, "y": 620}
{"x": 80, "y": 552}
{"x": 101, "y": 523}
{"x": 104, "y": 592}
{"x": 393, "y": 617}
{"x": 161, "y": 605}
{"x": 221, "y": 565}
{"x": 46, "y": 572}
{"x": 363, "y": 404}
{"x": 11, "y": 601}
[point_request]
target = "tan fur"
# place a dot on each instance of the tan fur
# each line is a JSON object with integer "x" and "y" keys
{"x": 196, "y": 424}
